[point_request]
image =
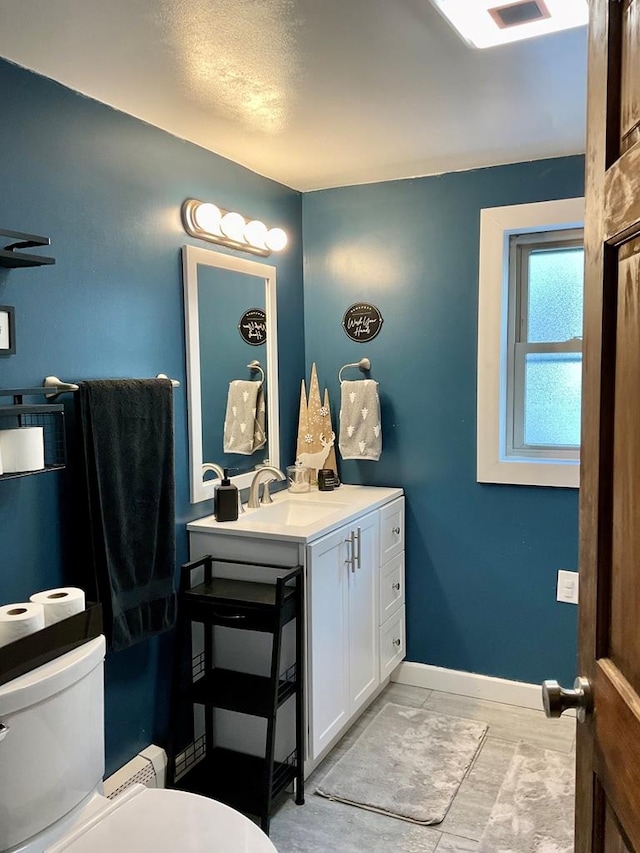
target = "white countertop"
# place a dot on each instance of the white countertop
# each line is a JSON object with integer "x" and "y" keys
{"x": 301, "y": 517}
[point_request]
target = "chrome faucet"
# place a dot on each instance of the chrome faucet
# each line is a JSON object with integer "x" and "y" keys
{"x": 254, "y": 489}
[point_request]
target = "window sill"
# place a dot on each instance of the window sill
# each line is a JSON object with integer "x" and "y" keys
{"x": 530, "y": 472}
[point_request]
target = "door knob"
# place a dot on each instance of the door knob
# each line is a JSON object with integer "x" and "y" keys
{"x": 557, "y": 700}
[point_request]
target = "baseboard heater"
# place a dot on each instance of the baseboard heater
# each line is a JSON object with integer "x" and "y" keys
{"x": 148, "y": 768}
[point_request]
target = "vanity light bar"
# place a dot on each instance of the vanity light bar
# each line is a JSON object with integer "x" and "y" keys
{"x": 208, "y": 222}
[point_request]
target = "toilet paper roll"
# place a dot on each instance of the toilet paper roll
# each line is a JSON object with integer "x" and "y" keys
{"x": 59, "y": 603}
{"x": 22, "y": 449}
{"x": 19, "y": 620}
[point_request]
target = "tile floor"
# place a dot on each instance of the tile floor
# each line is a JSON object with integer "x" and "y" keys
{"x": 322, "y": 826}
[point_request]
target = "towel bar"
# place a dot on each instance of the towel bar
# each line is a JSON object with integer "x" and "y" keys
{"x": 364, "y": 365}
{"x": 62, "y": 387}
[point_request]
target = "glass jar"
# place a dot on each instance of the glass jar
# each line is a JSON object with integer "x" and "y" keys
{"x": 298, "y": 478}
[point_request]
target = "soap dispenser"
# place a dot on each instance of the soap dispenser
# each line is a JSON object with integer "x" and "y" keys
{"x": 226, "y": 500}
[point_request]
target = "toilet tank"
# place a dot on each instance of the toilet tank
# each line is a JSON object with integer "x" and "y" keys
{"x": 52, "y": 755}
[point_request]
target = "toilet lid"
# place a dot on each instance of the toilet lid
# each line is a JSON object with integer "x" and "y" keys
{"x": 165, "y": 821}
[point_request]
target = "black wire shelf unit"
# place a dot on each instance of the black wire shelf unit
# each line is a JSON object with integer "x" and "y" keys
{"x": 251, "y": 784}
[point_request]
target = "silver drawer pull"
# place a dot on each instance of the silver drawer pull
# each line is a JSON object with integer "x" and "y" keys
{"x": 350, "y": 559}
{"x": 395, "y": 586}
{"x": 396, "y": 530}
{"x": 397, "y": 643}
{"x": 3, "y": 731}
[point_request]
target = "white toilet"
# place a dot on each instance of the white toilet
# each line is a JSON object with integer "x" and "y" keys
{"x": 51, "y": 768}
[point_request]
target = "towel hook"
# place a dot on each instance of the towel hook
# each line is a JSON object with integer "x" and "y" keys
{"x": 255, "y": 367}
{"x": 364, "y": 365}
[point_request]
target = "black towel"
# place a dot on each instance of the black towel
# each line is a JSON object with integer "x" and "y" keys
{"x": 127, "y": 435}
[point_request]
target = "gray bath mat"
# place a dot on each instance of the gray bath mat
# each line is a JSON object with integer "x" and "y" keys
{"x": 408, "y": 763}
{"x": 535, "y": 806}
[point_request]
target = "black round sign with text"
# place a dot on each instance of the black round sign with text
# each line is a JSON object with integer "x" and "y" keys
{"x": 362, "y": 322}
{"x": 253, "y": 327}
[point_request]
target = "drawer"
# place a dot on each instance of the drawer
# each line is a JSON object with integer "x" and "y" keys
{"x": 392, "y": 643}
{"x": 240, "y": 604}
{"x": 232, "y": 616}
{"x": 391, "y": 530}
{"x": 391, "y": 587}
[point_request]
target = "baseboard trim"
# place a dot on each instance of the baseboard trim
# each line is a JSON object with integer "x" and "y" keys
{"x": 518, "y": 693}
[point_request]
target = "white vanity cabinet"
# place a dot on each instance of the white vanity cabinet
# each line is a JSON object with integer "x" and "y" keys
{"x": 342, "y": 627}
{"x": 354, "y": 595}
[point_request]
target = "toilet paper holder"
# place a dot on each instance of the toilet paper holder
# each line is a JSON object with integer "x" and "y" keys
{"x": 50, "y": 417}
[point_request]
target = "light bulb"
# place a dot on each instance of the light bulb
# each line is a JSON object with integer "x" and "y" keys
{"x": 276, "y": 239}
{"x": 255, "y": 233}
{"x": 207, "y": 217}
{"x": 232, "y": 225}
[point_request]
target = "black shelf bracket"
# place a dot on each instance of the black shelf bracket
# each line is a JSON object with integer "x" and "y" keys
{"x": 12, "y": 256}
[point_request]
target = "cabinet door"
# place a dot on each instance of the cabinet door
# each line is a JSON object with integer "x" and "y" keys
{"x": 364, "y": 674}
{"x": 328, "y": 664}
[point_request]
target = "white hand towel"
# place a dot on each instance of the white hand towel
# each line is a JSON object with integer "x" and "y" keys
{"x": 360, "y": 428}
{"x": 244, "y": 421}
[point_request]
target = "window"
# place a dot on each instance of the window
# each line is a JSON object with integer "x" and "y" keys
{"x": 530, "y": 343}
{"x": 544, "y": 363}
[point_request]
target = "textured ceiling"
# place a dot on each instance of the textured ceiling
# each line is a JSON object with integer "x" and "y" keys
{"x": 312, "y": 93}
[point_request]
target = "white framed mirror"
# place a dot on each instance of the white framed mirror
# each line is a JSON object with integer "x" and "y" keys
{"x": 218, "y": 290}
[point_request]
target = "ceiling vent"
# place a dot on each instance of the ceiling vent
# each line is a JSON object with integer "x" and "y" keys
{"x": 489, "y": 23}
{"x": 516, "y": 14}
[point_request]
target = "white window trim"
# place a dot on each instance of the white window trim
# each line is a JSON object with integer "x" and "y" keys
{"x": 496, "y": 226}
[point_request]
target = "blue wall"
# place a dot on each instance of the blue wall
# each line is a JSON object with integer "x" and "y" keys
{"x": 107, "y": 189}
{"x": 481, "y": 559}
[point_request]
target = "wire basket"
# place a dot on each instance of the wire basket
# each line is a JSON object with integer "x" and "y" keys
{"x": 51, "y": 419}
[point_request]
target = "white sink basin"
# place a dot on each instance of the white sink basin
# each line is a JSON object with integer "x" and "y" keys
{"x": 295, "y": 513}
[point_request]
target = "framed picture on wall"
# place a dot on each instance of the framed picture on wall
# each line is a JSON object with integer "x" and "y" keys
{"x": 7, "y": 330}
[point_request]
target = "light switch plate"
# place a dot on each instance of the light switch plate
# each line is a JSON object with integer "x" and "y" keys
{"x": 568, "y": 585}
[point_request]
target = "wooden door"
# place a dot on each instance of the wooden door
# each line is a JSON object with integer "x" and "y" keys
{"x": 608, "y": 753}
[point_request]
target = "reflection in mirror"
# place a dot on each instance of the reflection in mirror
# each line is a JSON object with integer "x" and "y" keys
{"x": 224, "y": 356}
{"x": 228, "y": 303}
